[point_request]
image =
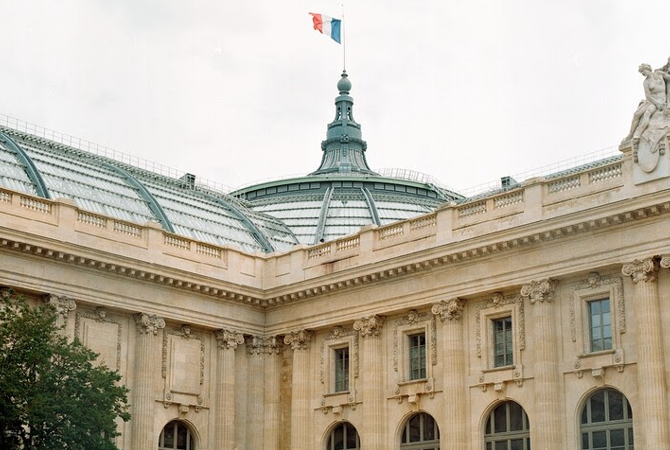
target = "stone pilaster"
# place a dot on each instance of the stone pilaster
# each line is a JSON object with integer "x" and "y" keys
{"x": 147, "y": 347}
{"x": 62, "y": 305}
{"x": 548, "y": 409}
{"x": 451, "y": 313}
{"x": 300, "y": 409}
{"x": 227, "y": 342}
{"x": 254, "y": 396}
{"x": 372, "y": 430}
{"x": 272, "y": 413}
{"x": 652, "y": 416}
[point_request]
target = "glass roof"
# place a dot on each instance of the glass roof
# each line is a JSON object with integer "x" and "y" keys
{"x": 104, "y": 186}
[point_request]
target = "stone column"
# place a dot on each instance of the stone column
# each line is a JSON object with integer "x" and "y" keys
{"x": 147, "y": 347}
{"x": 454, "y": 383}
{"x": 548, "y": 411}
{"x": 300, "y": 409}
{"x": 63, "y": 306}
{"x": 372, "y": 431}
{"x": 271, "y": 431}
{"x": 651, "y": 418}
{"x": 225, "y": 388}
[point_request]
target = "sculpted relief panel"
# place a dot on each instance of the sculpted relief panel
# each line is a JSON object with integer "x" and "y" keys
{"x": 102, "y": 334}
{"x": 183, "y": 365}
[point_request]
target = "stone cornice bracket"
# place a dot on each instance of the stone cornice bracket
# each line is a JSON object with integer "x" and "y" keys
{"x": 148, "y": 323}
{"x": 540, "y": 291}
{"x": 370, "y": 325}
{"x": 298, "y": 340}
{"x": 229, "y": 339}
{"x": 62, "y": 304}
{"x": 645, "y": 270}
{"x": 449, "y": 309}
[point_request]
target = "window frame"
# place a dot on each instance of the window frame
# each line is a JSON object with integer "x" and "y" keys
{"x": 433, "y": 444}
{"x": 330, "y": 445}
{"x": 591, "y": 327}
{"x": 345, "y": 371}
{"x": 191, "y": 442}
{"x": 507, "y": 339}
{"x": 626, "y": 424}
{"x": 423, "y": 365}
{"x": 491, "y": 438}
{"x": 487, "y": 316}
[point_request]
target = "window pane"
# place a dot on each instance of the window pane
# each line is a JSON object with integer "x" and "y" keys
{"x": 615, "y": 405}
{"x": 599, "y": 440}
{"x": 338, "y": 438}
{"x": 585, "y": 441}
{"x": 517, "y": 444}
{"x": 500, "y": 418}
{"x": 168, "y": 435}
{"x": 616, "y": 438}
{"x": 515, "y": 417}
{"x": 415, "y": 429}
{"x": 352, "y": 435}
{"x": 501, "y": 445}
{"x": 598, "y": 407}
{"x": 181, "y": 437}
{"x": 428, "y": 428}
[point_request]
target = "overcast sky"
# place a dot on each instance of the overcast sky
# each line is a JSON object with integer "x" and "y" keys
{"x": 241, "y": 90}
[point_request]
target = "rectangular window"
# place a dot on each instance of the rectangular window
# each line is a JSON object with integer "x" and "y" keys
{"x": 417, "y": 356}
{"x": 342, "y": 369}
{"x": 600, "y": 325}
{"x": 502, "y": 342}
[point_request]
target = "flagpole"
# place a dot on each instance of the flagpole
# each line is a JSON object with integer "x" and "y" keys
{"x": 344, "y": 44}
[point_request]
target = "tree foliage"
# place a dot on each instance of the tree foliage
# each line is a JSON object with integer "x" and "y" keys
{"x": 52, "y": 396}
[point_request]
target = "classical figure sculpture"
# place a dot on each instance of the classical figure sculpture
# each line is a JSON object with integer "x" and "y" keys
{"x": 655, "y": 100}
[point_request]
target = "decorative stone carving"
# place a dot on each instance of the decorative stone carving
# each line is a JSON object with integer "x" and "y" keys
{"x": 148, "y": 323}
{"x": 255, "y": 344}
{"x": 449, "y": 309}
{"x": 339, "y": 333}
{"x": 370, "y": 325}
{"x": 665, "y": 262}
{"x": 229, "y": 339}
{"x": 272, "y": 345}
{"x": 298, "y": 340}
{"x": 645, "y": 270}
{"x": 540, "y": 291}
{"x": 593, "y": 282}
{"x": 183, "y": 332}
{"x": 62, "y": 304}
{"x": 498, "y": 300}
{"x": 416, "y": 318}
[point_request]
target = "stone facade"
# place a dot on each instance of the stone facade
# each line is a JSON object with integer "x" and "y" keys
{"x": 246, "y": 350}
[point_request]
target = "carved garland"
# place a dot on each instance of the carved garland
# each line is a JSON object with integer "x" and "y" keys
{"x": 414, "y": 317}
{"x": 100, "y": 316}
{"x": 184, "y": 332}
{"x": 497, "y": 300}
{"x": 595, "y": 281}
{"x": 337, "y": 333}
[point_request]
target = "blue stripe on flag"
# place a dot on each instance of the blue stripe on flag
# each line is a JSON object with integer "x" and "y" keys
{"x": 335, "y": 26}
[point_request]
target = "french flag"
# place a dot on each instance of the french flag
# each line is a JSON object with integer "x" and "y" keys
{"x": 327, "y": 25}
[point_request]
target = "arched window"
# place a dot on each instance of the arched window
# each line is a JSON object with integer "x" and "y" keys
{"x": 344, "y": 437}
{"x": 507, "y": 428}
{"x": 176, "y": 436}
{"x": 420, "y": 433}
{"x": 607, "y": 422}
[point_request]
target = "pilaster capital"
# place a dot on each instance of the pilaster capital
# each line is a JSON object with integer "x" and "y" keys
{"x": 645, "y": 270}
{"x": 228, "y": 339}
{"x": 298, "y": 340}
{"x": 272, "y": 345}
{"x": 370, "y": 325}
{"x": 540, "y": 291}
{"x": 148, "y": 323}
{"x": 62, "y": 304}
{"x": 449, "y": 309}
{"x": 665, "y": 262}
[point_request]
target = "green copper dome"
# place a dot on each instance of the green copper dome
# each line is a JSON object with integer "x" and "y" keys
{"x": 343, "y": 194}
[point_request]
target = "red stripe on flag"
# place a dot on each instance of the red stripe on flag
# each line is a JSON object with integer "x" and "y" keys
{"x": 318, "y": 22}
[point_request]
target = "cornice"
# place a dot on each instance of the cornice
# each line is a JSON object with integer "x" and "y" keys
{"x": 410, "y": 263}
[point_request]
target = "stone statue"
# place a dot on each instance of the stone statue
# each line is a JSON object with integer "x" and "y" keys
{"x": 655, "y": 94}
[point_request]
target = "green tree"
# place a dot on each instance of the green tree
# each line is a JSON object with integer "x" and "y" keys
{"x": 52, "y": 396}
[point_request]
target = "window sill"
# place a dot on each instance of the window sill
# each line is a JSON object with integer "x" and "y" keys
{"x": 408, "y": 382}
{"x": 335, "y": 394}
{"x": 598, "y": 353}
{"x": 499, "y": 369}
